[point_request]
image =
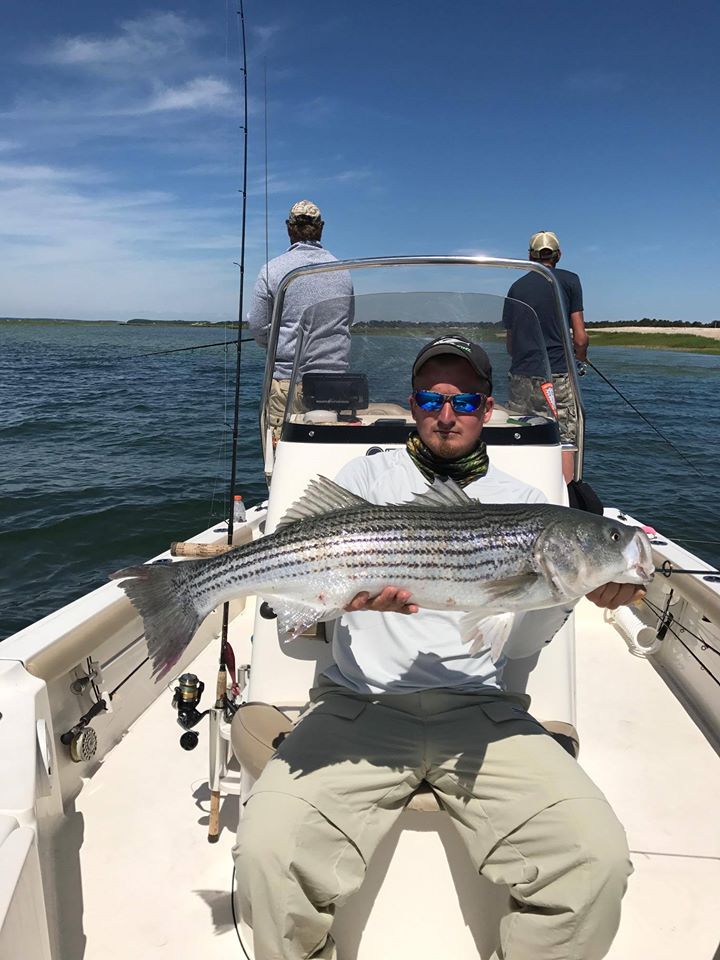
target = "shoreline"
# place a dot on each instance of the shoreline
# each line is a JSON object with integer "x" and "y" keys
{"x": 704, "y": 341}
{"x": 712, "y": 333}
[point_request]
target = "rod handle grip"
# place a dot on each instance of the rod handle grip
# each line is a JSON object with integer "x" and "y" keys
{"x": 181, "y": 548}
{"x": 214, "y": 820}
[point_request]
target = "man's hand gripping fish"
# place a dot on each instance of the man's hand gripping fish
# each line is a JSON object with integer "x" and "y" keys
{"x": 450, "y": 552}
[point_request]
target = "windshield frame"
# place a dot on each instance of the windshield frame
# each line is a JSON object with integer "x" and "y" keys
{"x": 433, "y": 260}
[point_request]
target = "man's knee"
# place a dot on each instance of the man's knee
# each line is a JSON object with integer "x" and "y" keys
{"x": 577, "y": 840}
{"x": 281, "y": 836}
{"x": 269, "y": 829}
{"x": 593, "y": 840}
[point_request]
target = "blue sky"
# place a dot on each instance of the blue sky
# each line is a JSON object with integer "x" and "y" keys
{"x": 417, "y": 127}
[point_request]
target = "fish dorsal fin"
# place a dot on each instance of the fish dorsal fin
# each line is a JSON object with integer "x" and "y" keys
{"x": 321, "y": 496}
{"x": 442, "y": 493}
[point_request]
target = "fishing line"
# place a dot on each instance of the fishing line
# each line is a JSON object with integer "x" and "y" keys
{"x": 658, "y": 613}
{"x": 688, "y": 540}
{"x": 643, "y": 417}
{"x": 703, "y": 643}
{"x": 671, "y": 500}
{"x": 241, "y": 267}
{"x": 234, "y": 915}
{"x": 221, "y": 684}
{"x": 267, "y": 243}
{"x": 199, "y": 346}
{"x": 101, "y": 701}
{"x": 695, "y": 657}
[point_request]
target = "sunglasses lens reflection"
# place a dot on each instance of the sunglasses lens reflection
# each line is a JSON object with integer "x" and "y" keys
{"x": 460, "y": 402}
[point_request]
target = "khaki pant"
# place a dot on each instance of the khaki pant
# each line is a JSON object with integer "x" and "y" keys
{"x": 277, "y": 401}
{"x": 528, "y": 814}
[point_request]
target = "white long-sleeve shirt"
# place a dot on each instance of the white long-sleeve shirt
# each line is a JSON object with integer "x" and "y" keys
{"x": 399, "y": 653}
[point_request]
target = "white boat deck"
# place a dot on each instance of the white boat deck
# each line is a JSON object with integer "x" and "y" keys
{"x": 145, "y": 817}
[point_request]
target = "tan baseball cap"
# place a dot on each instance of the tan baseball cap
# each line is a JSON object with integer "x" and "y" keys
{"x": 305, "y": 210}
{"x": 544, "y": 240}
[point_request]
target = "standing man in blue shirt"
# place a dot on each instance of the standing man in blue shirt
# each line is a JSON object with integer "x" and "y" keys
{"x": 535, "y": 291}
{"x": 327, "y": 298}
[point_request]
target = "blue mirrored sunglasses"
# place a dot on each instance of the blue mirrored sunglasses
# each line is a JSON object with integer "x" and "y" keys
{"x": 460, "y": 402}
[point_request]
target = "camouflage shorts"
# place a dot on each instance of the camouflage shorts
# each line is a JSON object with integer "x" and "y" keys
{"x": 526, "y": 397}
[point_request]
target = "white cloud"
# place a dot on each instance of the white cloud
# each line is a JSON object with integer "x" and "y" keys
{"x": 202, "y": 93}
{"x": 302, "y": 179}
{"x": 33, "y": 172}
{"x": 72, "y": 251}
{"x": 263, "y": 37}
{"x": 150, "y": 38}
{"x": 351, "y": 176}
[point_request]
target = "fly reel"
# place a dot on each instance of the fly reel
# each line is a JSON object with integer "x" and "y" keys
{"x": 81, "y": 739}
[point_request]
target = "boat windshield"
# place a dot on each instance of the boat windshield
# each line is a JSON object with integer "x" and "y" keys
{"x": 353, "y": 357}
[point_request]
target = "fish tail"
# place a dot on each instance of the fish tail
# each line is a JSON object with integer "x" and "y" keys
{"x": 160, "y": 594}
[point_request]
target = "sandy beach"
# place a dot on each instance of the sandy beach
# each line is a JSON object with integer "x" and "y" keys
{"x": 712, "y": 332}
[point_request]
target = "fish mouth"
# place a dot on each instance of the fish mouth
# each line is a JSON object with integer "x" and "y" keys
{"x": 639, "y": 558}
{"x": 645, "y": 573}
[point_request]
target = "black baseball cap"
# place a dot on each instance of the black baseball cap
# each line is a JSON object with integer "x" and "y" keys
{"x": 456, "y": 346}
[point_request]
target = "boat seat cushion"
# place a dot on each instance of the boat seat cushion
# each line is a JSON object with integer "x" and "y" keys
{"x": 255, "y": 734}
{"x": 257, "y": 730}
{"x": 565, "y": 734}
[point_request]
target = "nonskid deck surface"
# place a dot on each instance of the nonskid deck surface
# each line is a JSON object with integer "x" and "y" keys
{"x": 152, "y": 884}
{"x": 154, "y": 887}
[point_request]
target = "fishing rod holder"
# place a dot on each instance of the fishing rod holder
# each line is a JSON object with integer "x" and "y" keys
{"x": 186, "y": 699}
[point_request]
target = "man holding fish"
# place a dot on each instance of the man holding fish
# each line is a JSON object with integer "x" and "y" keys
{"x": 416, "y": 696}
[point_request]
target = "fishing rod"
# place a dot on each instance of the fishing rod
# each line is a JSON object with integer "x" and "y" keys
{"x": 668, "y": 569}
{"x": 643, "y": 417}
{"x": 226, "y": 657}
{"x": 199, "y": 346}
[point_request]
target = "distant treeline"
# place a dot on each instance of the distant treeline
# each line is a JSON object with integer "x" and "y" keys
{"x": 142, "y": 322}
{"x": 135, "y": 322}
{"x": 366, "y": 325}
{"x": 651, "y": 322}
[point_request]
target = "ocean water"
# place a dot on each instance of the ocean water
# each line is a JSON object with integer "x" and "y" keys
{"x": 105, "y": 460}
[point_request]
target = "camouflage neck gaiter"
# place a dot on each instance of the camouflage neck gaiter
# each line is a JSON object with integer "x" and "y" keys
{"x": 463, "y": 470}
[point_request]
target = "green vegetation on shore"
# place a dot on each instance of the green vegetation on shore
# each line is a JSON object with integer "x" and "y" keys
{"x": 599, "y": 337}
{"x": 135, "y": 322}
{"x": 651, "y": 322}
{"x": 655, "y": 341}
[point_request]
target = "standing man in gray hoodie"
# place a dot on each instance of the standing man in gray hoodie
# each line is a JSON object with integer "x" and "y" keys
{"x": 325, "y": 299}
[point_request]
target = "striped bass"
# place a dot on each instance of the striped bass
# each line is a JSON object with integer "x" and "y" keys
{"x": 449, "y": 551}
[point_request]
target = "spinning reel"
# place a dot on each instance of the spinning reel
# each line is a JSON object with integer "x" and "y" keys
{"x": 187, "y": 697}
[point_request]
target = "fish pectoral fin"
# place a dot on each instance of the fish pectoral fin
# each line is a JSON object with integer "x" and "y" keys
{"x": 442, "y": 493}
{"x": 548, "y": 571}
{"x": 485, "y": 631}
{"x": 321, "y": 496}
{"x": 495, "y": 593}
{"x": 294, "y": 617}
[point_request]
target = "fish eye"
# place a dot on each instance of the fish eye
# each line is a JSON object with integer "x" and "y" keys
{"x": 615, "y": 536}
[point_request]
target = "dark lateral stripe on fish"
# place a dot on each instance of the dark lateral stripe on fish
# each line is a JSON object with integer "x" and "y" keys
{"x": 405, "y": 553}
